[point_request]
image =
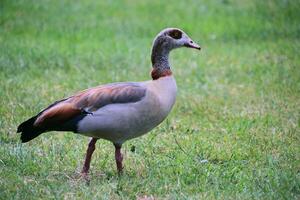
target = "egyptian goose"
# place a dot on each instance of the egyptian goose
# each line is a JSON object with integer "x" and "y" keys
{"x": 118, "y": 111}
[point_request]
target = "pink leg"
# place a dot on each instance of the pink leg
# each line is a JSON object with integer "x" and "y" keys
{"x": 88, "y": 156}
{"x": 119, "y": 158}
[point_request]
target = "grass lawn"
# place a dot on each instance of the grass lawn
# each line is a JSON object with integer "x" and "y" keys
{"x": 234, "y": 132}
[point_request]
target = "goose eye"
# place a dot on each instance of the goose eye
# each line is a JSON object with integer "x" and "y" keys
{"x": 175, "y": 34}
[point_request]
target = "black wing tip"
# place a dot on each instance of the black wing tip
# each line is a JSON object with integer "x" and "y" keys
{"x": 23, "y": 139}
{"x": 26, "y": 124}
{"x": 26, "y": 137}
{"x": 28, "y": 130}
{"x": 19, "y": 129}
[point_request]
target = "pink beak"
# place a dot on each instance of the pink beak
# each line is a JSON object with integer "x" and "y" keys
{"x": 193, "y": 45}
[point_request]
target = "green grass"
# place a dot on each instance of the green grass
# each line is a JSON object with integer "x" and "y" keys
{"x": 238, "y": 105}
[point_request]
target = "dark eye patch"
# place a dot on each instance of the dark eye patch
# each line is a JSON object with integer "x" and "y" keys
{"x": 176, "y": 34}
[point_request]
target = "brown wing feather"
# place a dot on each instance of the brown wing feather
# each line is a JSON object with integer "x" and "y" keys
{"x": 88, "y": 101}
{"x": 56, "y": 115}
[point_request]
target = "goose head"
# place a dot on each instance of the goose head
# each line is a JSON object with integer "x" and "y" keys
{"x": 167, "y": 40}
{"x": 172, "y": 38}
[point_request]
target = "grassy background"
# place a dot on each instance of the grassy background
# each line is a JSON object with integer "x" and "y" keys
{"x": 234, "y": 131}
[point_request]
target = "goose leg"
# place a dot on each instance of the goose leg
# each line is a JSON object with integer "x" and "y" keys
{"x": 119, "y": 158}
{"x": 88, "y": 157}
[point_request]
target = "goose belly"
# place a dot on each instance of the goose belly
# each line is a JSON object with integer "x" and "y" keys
{"x": 120, "y": 122}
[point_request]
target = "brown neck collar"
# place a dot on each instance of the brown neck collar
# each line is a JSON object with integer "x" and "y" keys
{"x": 157, "y": 73}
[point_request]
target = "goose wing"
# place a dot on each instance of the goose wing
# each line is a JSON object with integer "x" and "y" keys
{"x": 64, "y": 115}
